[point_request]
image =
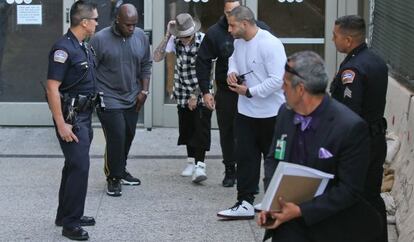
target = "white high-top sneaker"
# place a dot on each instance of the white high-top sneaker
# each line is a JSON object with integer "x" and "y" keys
{"x": 240, "y": 210}
{"x": 188, "y": 171}
{"x": 199, "y": 173}
{"x": 258, "y": 208}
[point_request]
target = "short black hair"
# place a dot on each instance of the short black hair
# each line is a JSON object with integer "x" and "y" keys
{"x": 232, "y": 1}
{"x": 80, "y": 10}
{"x": 352, "y": 25}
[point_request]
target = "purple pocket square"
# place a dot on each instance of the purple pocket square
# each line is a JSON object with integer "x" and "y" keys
{"x": 324, "y": 153}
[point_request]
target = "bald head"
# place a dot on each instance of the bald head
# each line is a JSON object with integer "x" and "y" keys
{"x": 127, "y": 19}
{"x": 127, "y": 11}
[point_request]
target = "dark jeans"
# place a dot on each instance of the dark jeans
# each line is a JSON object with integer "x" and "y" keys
{"x": 253, "y": 139}
{"x": 195, "y": 131}
{"x": 74, "y": 182}
{"x": 119, "y": 128}
{"x": 374, "y": 180}
{"x": 226, "y": 108}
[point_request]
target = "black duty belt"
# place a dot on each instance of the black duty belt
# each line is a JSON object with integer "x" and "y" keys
{"x": 378, "y": 127}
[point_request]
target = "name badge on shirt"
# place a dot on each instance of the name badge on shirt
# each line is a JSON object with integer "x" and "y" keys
{"x": 280, "y": 149}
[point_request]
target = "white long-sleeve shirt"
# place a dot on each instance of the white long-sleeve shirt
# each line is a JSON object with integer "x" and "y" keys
{"x": 265, "y": 55}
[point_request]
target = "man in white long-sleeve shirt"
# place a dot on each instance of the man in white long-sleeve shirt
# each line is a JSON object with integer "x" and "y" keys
{"x": 262, "y": 56}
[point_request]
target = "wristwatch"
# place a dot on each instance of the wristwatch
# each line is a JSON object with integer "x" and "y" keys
{"x": 248, "y": 94}
{"x": 145, "y": 92}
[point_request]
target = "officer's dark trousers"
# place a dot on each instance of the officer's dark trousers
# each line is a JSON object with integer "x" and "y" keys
{"x": 119, "y": 129}
{"x": 253, "y": 139}
{"x": 74, "y": 183}
{"x": 374, "y": 180}
{"x": 226, "y": 108}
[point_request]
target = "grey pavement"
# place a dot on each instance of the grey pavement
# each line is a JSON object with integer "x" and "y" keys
{"x": 165, "y": 207}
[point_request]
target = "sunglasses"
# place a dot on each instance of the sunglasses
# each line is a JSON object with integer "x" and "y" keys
{"x": 96, "y": 19}
{"x": 291, "y": 70}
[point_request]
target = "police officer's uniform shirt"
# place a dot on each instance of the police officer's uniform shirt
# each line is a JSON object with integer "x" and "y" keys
{"x": 361, "y": 83}
{"x": 72, "y": 63}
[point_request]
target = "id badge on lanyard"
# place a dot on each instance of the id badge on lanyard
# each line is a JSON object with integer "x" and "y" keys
{"x": 280, "y": 149}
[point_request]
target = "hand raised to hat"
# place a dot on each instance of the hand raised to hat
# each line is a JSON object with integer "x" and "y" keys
{"x": 170, "y": 23}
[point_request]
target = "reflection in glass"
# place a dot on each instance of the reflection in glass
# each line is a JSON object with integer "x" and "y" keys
{"x": 4, "y": 13}
{"x": 295, "y": 19}
{"x": 24, "y": 51}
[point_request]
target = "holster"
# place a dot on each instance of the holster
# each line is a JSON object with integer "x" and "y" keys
{"x": 69, "y": 109}
{"x": 378, "y": 127}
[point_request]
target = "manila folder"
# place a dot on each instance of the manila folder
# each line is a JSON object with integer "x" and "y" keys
{"x": 296, "y": 189}
{"x": 294, "y": 183}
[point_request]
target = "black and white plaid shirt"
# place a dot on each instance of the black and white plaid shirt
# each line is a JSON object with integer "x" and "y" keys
{"x": 185, "y": 80}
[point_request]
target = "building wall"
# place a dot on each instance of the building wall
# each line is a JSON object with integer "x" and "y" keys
{"x": 400, "y": 117}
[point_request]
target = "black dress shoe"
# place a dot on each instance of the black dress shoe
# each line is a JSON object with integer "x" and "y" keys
{"x": 76, "y": 233}
{"x": 84, "y": 221}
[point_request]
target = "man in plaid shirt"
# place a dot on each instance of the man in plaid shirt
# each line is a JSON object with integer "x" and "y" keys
{"x": 194, "y": 119}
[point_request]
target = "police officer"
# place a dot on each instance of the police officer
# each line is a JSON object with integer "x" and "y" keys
{"x": 361, "y": 84}
{"x": 71, "y": 75}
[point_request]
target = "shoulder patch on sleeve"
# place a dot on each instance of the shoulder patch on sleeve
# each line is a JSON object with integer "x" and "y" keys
{"x": 347, "y": 76}
{"x": 60, "y": 56}
{"x": 347, "y": 93}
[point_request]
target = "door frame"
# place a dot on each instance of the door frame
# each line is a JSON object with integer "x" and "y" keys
{"x": 166, "y": 114}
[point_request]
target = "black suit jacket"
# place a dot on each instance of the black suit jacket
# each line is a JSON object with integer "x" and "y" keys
{"x": 345, "y": 135}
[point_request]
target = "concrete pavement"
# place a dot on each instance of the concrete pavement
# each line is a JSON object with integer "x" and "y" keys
{"x": 165, "y": 207}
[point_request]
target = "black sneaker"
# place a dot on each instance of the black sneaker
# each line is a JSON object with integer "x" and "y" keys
{"x": 114, "y": 188}
{"x": 229, "y": 176}
{"x": 128, "y": 179}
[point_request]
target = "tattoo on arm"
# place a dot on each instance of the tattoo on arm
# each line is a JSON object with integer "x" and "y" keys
{"x": 159, "y": 52}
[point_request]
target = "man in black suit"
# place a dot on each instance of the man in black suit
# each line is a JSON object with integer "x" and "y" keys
{"x": 316, "y": 131}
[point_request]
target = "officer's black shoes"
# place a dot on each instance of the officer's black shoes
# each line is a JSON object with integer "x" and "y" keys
{"x": 229, "y": 176}
{"x": 114, "y": 188}
{"x": 128, "y": 179}
{"x": 84, "y": 221}
{"x": 76, "y": 233}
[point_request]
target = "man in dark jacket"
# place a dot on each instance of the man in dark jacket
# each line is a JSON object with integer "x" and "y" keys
{"x": 315, "y": 130}
{"x": 218, "y": 44}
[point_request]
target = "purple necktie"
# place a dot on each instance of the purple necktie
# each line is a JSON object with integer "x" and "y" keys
{"x": 302, "y": 120}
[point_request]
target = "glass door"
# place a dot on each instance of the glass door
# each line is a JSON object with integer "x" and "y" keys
{"x": 28, "y": 29}
{"x": 299, "y": 24}
{"x": 208, "y": 12}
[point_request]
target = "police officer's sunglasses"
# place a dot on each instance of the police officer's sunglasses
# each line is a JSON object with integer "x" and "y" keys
{"x": 96, "y": 19}
{"x": 291, "y": 70}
